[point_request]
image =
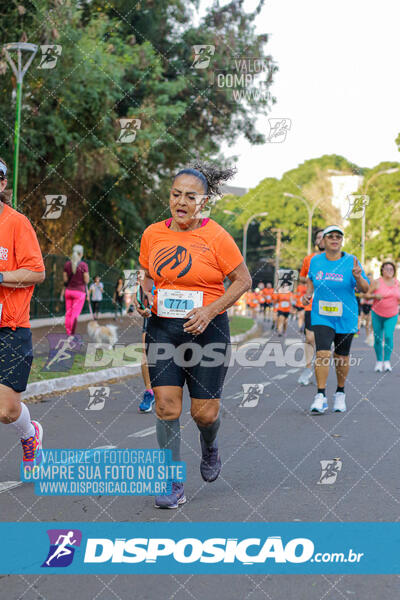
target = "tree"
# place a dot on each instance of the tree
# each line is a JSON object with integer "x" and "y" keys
{"x": 122, "y": 61}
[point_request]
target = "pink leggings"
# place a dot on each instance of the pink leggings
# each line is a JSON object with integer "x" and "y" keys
{"x": 74, "y": 301}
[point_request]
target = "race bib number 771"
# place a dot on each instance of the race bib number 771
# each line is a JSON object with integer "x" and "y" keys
{"x": 177, "y": 303}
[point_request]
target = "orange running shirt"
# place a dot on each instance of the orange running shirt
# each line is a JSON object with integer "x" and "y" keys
{"x": 19, "y": 249}
{"x": 301, "y": 290}
{"x": 268, "y": 293}
{"x": 252, "y": 299}
{"x": 189, "y": 260}
{"x": 284, "y": 301}
{"x": 304, "y": 272}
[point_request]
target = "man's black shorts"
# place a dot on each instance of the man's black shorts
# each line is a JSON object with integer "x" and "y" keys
{"x": 16, "y": 355}
{"x": 283, "y": 313}
{"x": 366, "y": 308}
{"x": 307, "y": 320}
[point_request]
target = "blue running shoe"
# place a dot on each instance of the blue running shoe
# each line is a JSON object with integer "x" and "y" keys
{"x": 210, "y": 465}
{"x": 173, "y": 500}
{"x": 146, "y": 404}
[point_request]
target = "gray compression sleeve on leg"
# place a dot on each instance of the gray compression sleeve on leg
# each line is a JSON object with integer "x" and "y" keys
{"x": 169, "y": 436}
{"x": 210, "y": 433}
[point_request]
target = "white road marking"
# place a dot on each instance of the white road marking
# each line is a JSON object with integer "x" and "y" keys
{"x": 280, "y": 376}
{"x": 292, "y": 340}
{"x": 105, "y": 447}
{"x": 292, "y": 370}
{"x": 9, "y": 485}
{"x": 144, "y": 432}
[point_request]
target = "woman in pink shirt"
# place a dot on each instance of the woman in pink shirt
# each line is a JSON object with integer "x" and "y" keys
{"x": 385, "y": 293}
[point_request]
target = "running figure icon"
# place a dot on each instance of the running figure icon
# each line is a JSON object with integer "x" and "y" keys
{"x": 62, "y": 549}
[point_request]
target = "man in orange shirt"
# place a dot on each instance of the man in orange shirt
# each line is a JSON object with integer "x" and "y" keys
{"x": 284, "y": 305}
{"x": 21, "y": 267}
{"x": 301, "y": 290}
{"x": 306, "y": 375}
{"x": 268, "y": 293}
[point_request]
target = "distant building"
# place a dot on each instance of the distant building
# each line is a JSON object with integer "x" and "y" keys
{"x": 343, "y": 189}
{"x": 236, "y": 191}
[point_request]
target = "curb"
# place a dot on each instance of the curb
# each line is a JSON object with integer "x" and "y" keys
{"x": 60, "y": 384}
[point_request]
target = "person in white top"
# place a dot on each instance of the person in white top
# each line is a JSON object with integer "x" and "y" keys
{"x": 96, "y": 293}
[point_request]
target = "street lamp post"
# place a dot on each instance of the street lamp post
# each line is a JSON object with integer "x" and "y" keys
{"x": 246, "y": 227}
{"x": 19, "y": 72}
{"x": 310, "y": 211}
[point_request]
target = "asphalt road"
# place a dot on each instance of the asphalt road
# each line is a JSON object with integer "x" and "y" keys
{"x": 271, "y": 456}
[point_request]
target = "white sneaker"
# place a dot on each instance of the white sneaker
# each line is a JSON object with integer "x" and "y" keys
{"x": 319, "y": 405}
{"x": 387, "y": 366}
{"x": 378, "y": 366}
{"x": 339, "y": 402}
{"x": 305, "y": 377}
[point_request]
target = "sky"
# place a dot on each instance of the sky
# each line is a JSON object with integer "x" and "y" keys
{"x": 338, "y": 83}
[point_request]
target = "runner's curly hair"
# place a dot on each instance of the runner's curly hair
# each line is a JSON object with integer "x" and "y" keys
{"x": 211, "y": 175}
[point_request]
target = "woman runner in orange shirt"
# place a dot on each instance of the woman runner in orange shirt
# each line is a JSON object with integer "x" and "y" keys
{"x": 188, "y": 257}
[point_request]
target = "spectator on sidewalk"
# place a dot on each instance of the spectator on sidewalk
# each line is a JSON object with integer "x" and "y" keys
{"x": 96, "y": 293}
{"x": 76, "y": 278}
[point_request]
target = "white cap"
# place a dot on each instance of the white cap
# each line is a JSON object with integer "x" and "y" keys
{"x": 332, "y": 228}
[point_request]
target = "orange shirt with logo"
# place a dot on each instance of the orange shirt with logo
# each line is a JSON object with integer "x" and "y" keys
{"x": 304, "y": 272}
{"x": 19, "y": 249}
{"x": 196, "y": 260}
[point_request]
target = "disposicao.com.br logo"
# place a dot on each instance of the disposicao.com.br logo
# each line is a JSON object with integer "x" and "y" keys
{"x": 213, "y": 550}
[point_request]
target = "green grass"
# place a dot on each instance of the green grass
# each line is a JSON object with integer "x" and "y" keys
{"x": 240, "y": 325}
{"x": 116, "y": 359}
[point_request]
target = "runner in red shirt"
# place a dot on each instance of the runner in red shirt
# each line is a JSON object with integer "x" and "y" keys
{"x": 21, "y": 267}
{"x": 306, "y": 375}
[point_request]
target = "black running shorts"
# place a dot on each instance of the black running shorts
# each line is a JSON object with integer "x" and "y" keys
{"x": 176, "y": 357}
{"x": 16, "y": 355}
{"x": 324, "y": 336}
{"x": 283, "y": 313}
{"x": 307, "y": 320}
{"x": 366, "y": 308}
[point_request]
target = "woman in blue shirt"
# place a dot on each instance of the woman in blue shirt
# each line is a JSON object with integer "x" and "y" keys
{"x": 332, "y": 278}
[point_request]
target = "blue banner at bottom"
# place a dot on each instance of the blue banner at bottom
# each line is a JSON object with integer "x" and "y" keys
{"x": 100, "y": 548}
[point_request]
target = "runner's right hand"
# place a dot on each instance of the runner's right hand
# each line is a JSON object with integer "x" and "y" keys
{"x": 306, "y": 299}
{"x": 146, "y": 312}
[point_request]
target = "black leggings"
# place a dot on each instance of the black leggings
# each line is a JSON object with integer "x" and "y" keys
{"x": 324, "y": 336}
